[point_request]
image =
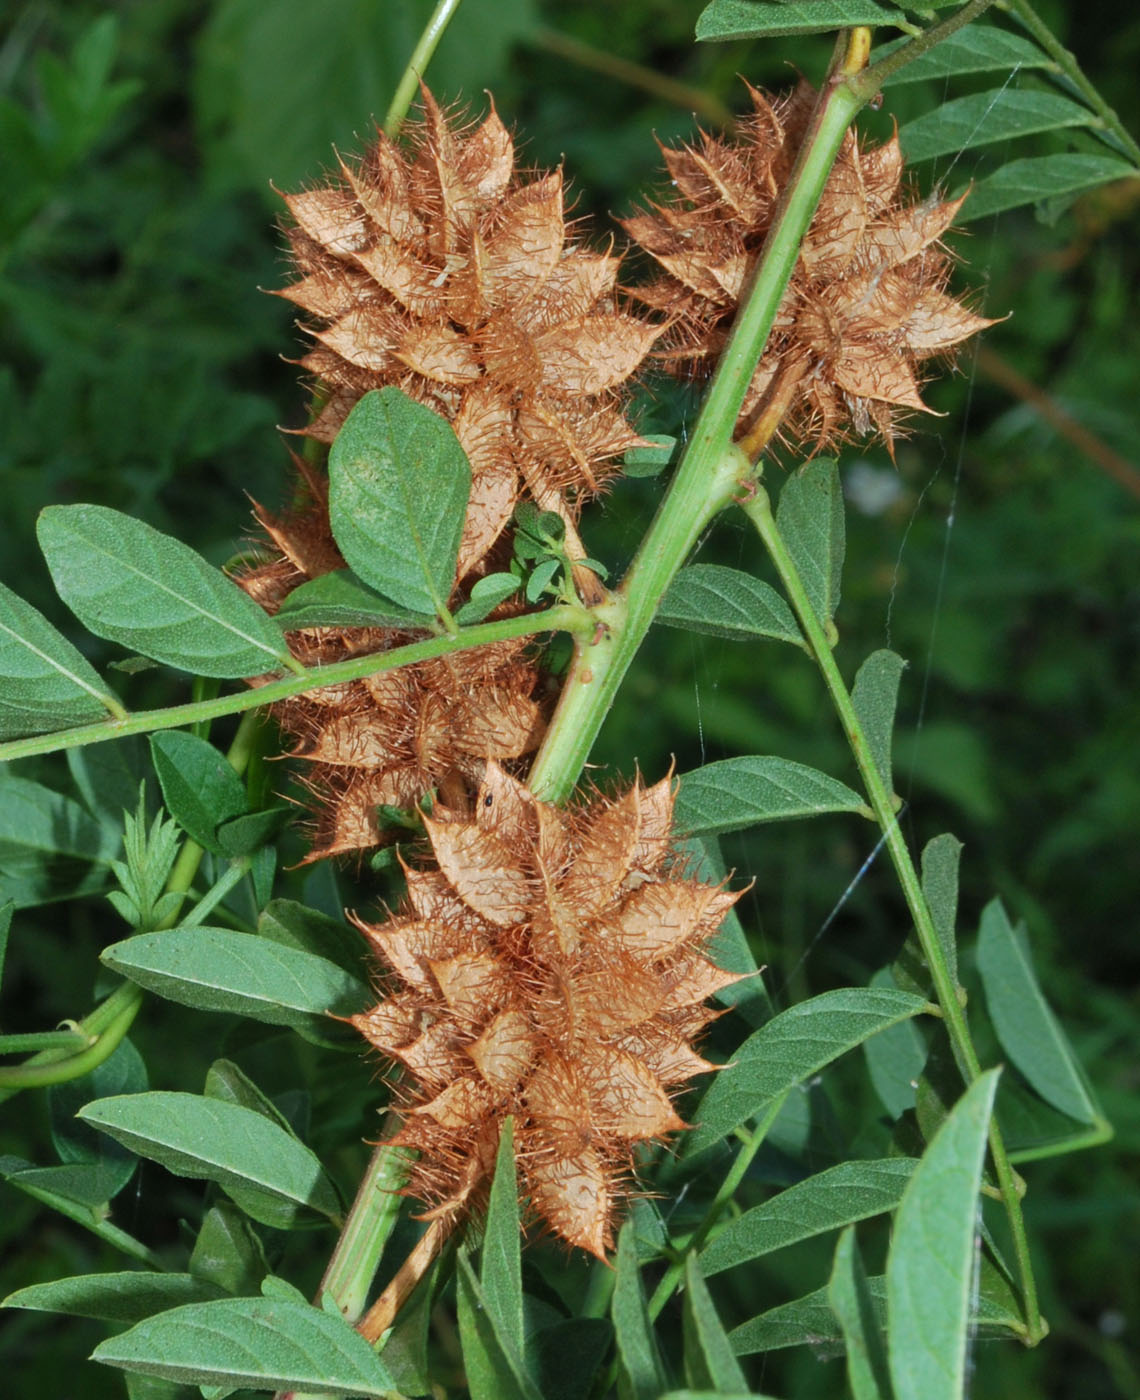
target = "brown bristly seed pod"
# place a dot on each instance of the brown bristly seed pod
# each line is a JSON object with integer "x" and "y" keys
{"x": 434, "y": 266}
{"x": 549, "y": 967}
{"x": 866, "y": 304}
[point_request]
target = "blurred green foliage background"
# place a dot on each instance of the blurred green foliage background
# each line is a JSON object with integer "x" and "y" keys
{"x": 141, "y": 367}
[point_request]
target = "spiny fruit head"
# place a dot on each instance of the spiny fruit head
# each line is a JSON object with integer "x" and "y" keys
{"x": 549, "y": 967}
{"x": 866, "y": 304}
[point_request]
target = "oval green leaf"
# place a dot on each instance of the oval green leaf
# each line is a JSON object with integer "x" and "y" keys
{"x": 986, "y": 117}
{"x": 810, "y": 518}
{"x": 133, "y": 585}
{"x": 727, "y": 603}
{"x": 749, "y": 19}
{"x": 201, "y": 790}
{"x": 875, "y": 698}
{"x": 1038, "y": 179}
{"x": 789, "y": 1049}
{"x": 259, "y": 1343}
{"x": 340, "y": 599}
{"x": 398, "y": 487}
{"x": 123, "y": 1297}
{"x": 45, "y": 684}
{"x": 217, "y": 969}
{"x": 930, "y": 1268}
{"x": 199, "y": 1137}
{"x": 740, "y": 792}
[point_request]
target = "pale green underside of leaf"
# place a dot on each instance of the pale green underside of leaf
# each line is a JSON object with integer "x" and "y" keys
{"x": 830, "y": 1199}
{"x": 1037, "y": 179}
{"x": 45, "y": 684}
{"x": 741, "y": 792}
{"x": 217, "y": 969}
{"x": 1028, "y": 1031}
{"x": 199, "y": 1137}
{"x": 124, "y": 1297}
{"x": 398, "y": 488}
{"x": 986, "y": 117}
{"x": 930, "y": 1267}
{"x": 260, "y": 1343}
{"x": 789, "y": 1049}
{"x": 153, "y": 594}
{"x": 727, "y": 603}
{"x": 748, "y": 19}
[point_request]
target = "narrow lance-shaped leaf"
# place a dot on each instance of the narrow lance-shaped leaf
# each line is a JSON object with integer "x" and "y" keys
{"x": 895, "y": 1058}
{"x": 986, "y": 117}
{"x": 977, "y": 48}
{"x": 851, "y": 1302}
{"x": 494, "y": 1369}
{"x": 45, "y": 684}
{"x": 709, "y": 1358}
{"x": 501, "y": 1272}
{"x": 116, "y": 1297}
{"x": 1028, "y": 1030}
{"x": 198, "y": 1137}
{"x": 727, "y": 603}
{"x": 940, "y": 857}
{"x": 875, "y": 698}
{"x": 739, "y": 792}
{"x": 930, "y": 1268}
{"x": 133, "y": 585}
{"x": 641, "y": 1372}
{"x": 841, "y": 1194}
{"x": 809, "y": 516}
{"x": 398, "y": 487}
{"x": 789, "y": 1049}
{"x": 1037, "y": 179}
{"x": 259, "y": 1343}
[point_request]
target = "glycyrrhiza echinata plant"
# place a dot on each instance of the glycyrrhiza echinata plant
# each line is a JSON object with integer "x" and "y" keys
{"x": 568, "y": 1037}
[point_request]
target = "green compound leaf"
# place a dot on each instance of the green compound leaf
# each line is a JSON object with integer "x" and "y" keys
{"x": 199, "y": 1137}
{"x": 124, "y": 1297}
{"x": 218, "y": 969}
{"x": 495, "y": 1370}
{"x": 727, "y": 603}
{"x": 200, "y": 789}
{"x": 986, "y": 117}
{"x": 977, "y": 48}
{"x": 1028, "y": 1031}
{"x": 810, "y": 518}
{"x": 875, "y": 698}
{"x": 789, "y": 1049}
{"x": 741, "y": 792}
{"x": 501, "y": 1268}
{"x": 641, "y": 1371}
{"x": 398, "y": 488}
{"x": 259, "y": 1343}
{"x": 45, "y": 684}
{"x": 133, "y": 585}
{"x": 930, "y": 1268}
{"x": 709, "y": 1358}
{"x": 749, "y": 19}
{"x": 1039, "y": 179}
{"x": 340, "y": 599}
{"x": 832, "y": 1198}
{"x": 851, "y": 1302}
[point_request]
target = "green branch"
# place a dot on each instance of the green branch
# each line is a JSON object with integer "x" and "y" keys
{"x": 417, "y": 66}
{"x": 759, "y": 511}
{"x": 563, "y": 618}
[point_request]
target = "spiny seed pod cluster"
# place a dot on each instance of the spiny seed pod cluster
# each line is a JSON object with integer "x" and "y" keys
{"x": 866, "y": 304}
{"x": 549, "y": 966}
{"x": 438, "y": 269}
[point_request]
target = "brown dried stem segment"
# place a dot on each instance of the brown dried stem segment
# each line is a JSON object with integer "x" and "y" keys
{"x": 551, "y": 968}
{"x": 866, "y": 304}
{"x": 438, "y": 269}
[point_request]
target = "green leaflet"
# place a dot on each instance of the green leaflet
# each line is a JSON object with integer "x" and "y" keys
{"x": 940, "y": 857}
{"x": 727, "y": 603}
{"x": 45, "y": 684}
{"x": 1039, "y": 180}
{"x": 200, "y": 789}
{"x": 930, "y": 1268}
{"x": 709, "y": 1358}
{"x": 234, "y": 1146}
{"x": 153, "y": 594}
{"x": 340, "y": 599}
{"x": 748, "y": 19}
{"x": 740, "y": 792}
{"x": 987, "y": 117}
{"x": 977, "y": 48}
{"x": 875, "y": 698}
{"x": 50, "y": 848}
{"x": 117, "y": 1297}
{"x": 260, "y": 1343}
{"x": 851, "y": 1302}
{"x": 790, "y": 1048}
{"x": 495, "y": 1370}
{"x": 641, "y": 1371}
{"x": 398, "y": 488}
{"x": 809, "y": 517}
{"x": 501, "y": 1263}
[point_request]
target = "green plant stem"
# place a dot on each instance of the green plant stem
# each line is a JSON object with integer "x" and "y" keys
{"x": 371, "y": 1220}
{"x": 1067, "y": 63}
{"x": 563, "y": 618}
{"x": 744, "y": 1158}
{"x": 42, "y": 1040}
{"x": 711, "y": 471}
{"x": 758, "y": 509}
{"x": 413, "y": 74}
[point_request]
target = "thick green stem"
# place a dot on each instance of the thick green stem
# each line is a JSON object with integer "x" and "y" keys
{"x": 709, "y": 474}
{"x": 568, "y": 619}
{"x": 417, "y": 65}
{"x": 758, "y": 509}
{"x": 370, "y": 1221}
